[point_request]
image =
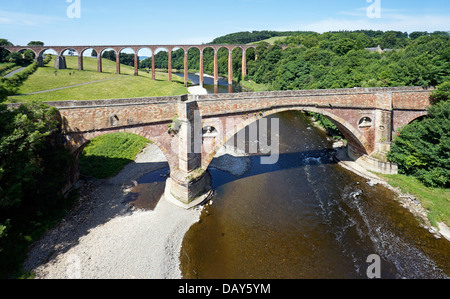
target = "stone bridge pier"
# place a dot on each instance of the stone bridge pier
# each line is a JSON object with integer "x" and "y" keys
{"x": 189, "y": 184}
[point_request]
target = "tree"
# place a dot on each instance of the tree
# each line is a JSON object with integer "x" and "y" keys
{"x": 417, "y": 34}
{"x": 422, "y": 148}
{"x": 16, "y": 58}
{"x": 24, "y": 136}
{"x": 33, "y": 171}
{"x": 4, "y": 92}
{"x": 5, "y": 42}
{"x": 4, "y": 53}
{"x": 35, "y": 43}
{"x": 28, "y": 56}
{"x": 343, "y": 46}
{"x": 441, "y": 94}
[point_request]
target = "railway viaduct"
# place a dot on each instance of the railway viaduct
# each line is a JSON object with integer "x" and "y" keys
{"x": 80, "y": 50}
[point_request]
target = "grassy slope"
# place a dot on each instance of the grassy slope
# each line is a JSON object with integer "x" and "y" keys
{"x": 270, "y": 41}
{"x": 106, "y": 155}
{"x": 435, "y": 200}
{"x": 123, "y": 86}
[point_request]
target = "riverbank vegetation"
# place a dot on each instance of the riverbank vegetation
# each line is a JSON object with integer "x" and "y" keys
{"x": 106, "y": 155}
{"x": 33, "y": 170}
{"x": 422, "y": 148}
{"x": 434, "y": 200}
{"x": 422, "y": 151}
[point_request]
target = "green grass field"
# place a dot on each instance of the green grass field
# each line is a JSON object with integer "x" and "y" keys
{"x": 125, "y": 85}
{"x": 270, "y": 41}
{"x": 106, "y": 155}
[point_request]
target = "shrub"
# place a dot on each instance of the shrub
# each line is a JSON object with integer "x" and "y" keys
{"x": 422, "y": 148}
{"x": 33, "y": 171}
{"x": 441, "y": 94}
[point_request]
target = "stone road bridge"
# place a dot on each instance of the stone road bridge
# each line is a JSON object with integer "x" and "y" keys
{"x": 367, "y": 117}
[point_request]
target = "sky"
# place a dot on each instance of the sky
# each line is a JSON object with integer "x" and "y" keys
{"x": 162, "y": 22}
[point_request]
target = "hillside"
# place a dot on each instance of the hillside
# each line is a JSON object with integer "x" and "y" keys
{"x": 72, "y": 84}
{"x": 247, "y": 37}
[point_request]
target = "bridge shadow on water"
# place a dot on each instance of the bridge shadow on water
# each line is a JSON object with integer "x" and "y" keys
{"x": 286, "y": 161}
{"x": 141, "y": 185}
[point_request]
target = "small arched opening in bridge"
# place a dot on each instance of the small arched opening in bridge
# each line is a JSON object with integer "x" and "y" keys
{"x": 192, "y": 64}
{"x": 239, "y": 64}
{"x": 28, "y": 52}
{"x": 123, "y": 158}
{"x": 222, "y": 61}
{"x": 176, "y": 62}
{"x": 208, "y": 62}
{"x": 355, "y": 138}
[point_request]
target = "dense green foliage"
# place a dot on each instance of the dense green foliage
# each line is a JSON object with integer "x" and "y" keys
{"x": 25, "y": 134}
{"x": 33, "y": 170}
{"x": 126, "y": 59}
{"x": 4, "y": 53}
{"x": 340, "y": 60}
{"x": 442, "y": 93}
{"x": 328, "y": 60}
{"x": 422, "y": 148}
{"x": 106, "y": 155}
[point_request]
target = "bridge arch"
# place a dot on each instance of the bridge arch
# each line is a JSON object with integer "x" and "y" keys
{"x": 83, "y": 140}
{"x": 43, "y": 50}
{"x": 355, "y": 138}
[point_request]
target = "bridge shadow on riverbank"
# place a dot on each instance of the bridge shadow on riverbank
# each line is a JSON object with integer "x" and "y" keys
{"x": 100, "y": 201}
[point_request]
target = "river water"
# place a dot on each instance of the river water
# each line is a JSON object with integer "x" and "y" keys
{"x": 208, "y": 84}
{"x": 303, "y": 217}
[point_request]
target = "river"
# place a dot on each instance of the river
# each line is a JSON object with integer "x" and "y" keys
{"x": 304, "y": 217}
{"x": 208, "y": 84}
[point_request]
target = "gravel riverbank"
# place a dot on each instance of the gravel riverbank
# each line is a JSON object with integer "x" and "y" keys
{"x": 103, "y": 237}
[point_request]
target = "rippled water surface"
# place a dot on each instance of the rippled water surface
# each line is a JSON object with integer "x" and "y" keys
{"x": 306, "y": 217}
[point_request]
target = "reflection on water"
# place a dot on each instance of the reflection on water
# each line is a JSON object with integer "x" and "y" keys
{"x": 306, "y": 217}
{"x": 208, "y": 84}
